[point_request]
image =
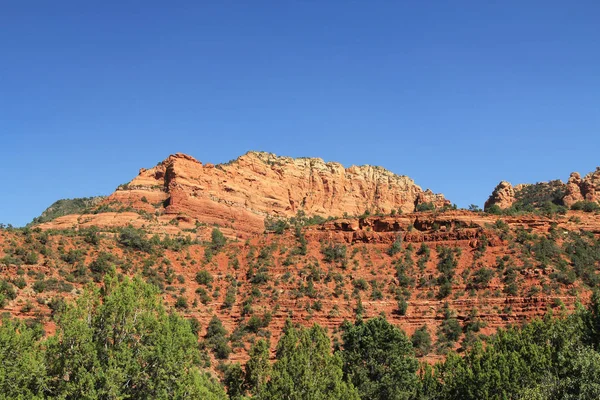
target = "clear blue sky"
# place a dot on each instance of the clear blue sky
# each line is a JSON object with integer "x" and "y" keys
{"x": 457, "y": 95}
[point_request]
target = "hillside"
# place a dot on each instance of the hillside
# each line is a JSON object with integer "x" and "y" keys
{"x": 497, "y": 270}
{"x": 247, "y": 250}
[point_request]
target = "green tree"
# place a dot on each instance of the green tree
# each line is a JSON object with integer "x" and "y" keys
{"x": 305, "y": 368}
{"x": 22, "y": 370}
{"x": 421, "y": 341}
{"x": 217, "y": 239}
{"x": 379, "y": 360}
{"x": 216, "y": 338}
{"x": 121, "y": 343}
{"x": 233, "y": 378}
{"x": 258, "y": 367}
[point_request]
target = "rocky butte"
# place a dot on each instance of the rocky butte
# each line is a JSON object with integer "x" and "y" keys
{"x": 577, "y": 189}
{"x": 238, "y": 195}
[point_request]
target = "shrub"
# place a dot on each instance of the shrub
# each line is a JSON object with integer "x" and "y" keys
{"x": 481, "y": 278}
{"x": 396, "y": 247}
{"x": 360, "y": 284}
{"x": 334, "y": 252}
{"x": 31, "y": 258}
{"x": 276, "y": 225}
{"x": 217, "y": 239}
{"x": 7, "y": 291}
{"x": 421, "y": 341}
{"x": 181, "y": 303}
{"x": 134, "y": 239}
{"x": 402, "y": 306}
{"x": 425, "y": 207}
{"x": 586, "y": 206}
{"x": 204, "y": 277}
{"x": 216, "y": 337}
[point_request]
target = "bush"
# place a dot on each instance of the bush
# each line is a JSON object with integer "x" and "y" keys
{"x": 7, "y": 291}
{"x": 31, "y": 258}
{"x": 217, "y": 239}
{"x": 396, "y": 247}
{"x": 181, "y": 303}
{"x": 334, "y": 252}
{"x": 360, "y": 284}
{"x": 276, "y": 225}
{"x": 73, "y": 256}
{"x": 425, "y": 207}
{"x": 216, "y": 337}
{"x": 586, "y": 206}
{"x": 134, "y": 239}
{"x": 402, "y": 305}
{"x": 204, "y": 277}
{"x": 481, "y": 278}
{"x": 421, "y": 341}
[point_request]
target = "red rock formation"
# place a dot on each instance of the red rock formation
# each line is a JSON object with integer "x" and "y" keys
{"x": 576, "y": 189}
{"x": 503, "y": 196}
{"x": 238, "y": 195}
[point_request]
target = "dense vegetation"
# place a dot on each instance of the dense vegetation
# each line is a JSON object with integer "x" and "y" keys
{"x": 66, "y": 207}
{"x": 118, "y": 342}
{"x": 115, "y": 343}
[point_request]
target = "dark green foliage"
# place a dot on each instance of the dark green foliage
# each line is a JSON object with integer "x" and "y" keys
{"x": 534, "y": 196}
{"x": 333, "y": 252}
{"x": 481, "y": 278}
{"x": 396, "y": 247}
{"x": 217, "y": 239}
{"x": 449, "y": 330}
{"x": 91, "y": 235}
{"x": 379, "y": 360}
{"x": 305, "y": 368}
{"x": 233, "y": 379}
{"x": 22, "y": 370}
{"x": 425, "y": 207}
{"x": 216, "y": 338}
{"x": 258, "y": 367}
{"x": 587, "y": 206}
{"x": 446, "y": 266}
{"x": 66, "y": 207}
{"x": 404, "y": 269}
{"x": 545, "y": 250}
{"x": 402, "y": 305}
{"x": 134, "y": 239}
{"x": 360, "y": 284}
{"x": 421, "y": 341}
{"x": 181, "y": 303}
{"x": 7, "y": 292}
{"x": 230, "y": 296}
{"x": 303, "y": 243}
{"x": 203, "y": 277}
{"x": 121, "y": 344}
{"x": 73, "y": 256}
{"x": 584, "y": 254}
{"x": 194, "y": 325}
{"x": 31, "y": 258}
{"x": 102, "y": 264}
{"x": 256, "y": 323}
{"x": 543, "y": 359}
{"x": 276, "y": 225}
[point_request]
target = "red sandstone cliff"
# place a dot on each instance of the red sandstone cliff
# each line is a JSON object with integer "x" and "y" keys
{"x": 238, "y": 195}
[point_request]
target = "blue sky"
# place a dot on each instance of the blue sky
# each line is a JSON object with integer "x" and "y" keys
{"x": 457, "y": 95}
